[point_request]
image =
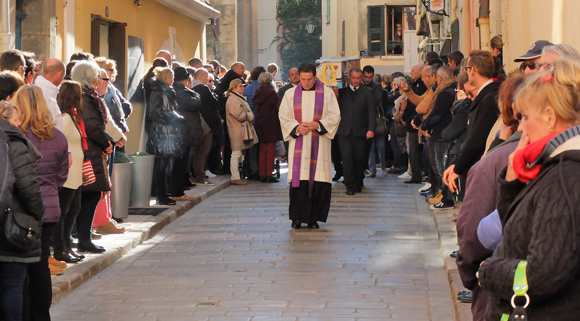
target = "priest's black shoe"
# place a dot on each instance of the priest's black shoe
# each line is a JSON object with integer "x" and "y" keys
{"x": 66, "y": 257}
{"x": 273, "y": 180}
{"x": 349, "y": 192}
{"x": 358, "y": 189}
{"x": 412, "y": 182}
{"x": 91, "y": 248}
{"x": 336, "y": 178}
{"x": 296, "y": 224}
{"x": 313, "y": 225}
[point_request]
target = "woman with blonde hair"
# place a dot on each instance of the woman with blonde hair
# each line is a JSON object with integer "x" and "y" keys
{"x": 237, "y": 112}
{"x": 52, "y": 170}
{"x": 537, "y": 203}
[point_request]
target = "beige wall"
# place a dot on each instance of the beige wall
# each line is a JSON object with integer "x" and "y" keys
{"x": 151, "y": 22}
{"x": 527, "y": 21}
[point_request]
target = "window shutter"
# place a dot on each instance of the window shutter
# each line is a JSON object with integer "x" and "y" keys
{"x": 95, "y": 35}
{"x": 118, "y": 52}
{"x": 376, "y": 30}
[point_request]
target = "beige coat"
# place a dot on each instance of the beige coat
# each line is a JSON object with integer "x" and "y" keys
{"x": 237, "y": 112}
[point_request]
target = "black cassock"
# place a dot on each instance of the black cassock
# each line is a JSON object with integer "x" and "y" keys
{"x": 310, "y": 210}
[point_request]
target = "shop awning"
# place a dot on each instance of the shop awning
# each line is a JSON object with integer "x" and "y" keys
{"x": 195, "y": 9}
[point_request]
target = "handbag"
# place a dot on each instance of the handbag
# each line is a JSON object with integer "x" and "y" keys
{"x": 247, "y": 132}
{"x": 88, "y": 173}
{"x": 21, "y": 230}
{"x": 382, "y": 122}
{"x": 401, "y": 130}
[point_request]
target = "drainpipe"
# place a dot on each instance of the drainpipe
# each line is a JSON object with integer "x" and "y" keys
{"x": 484, "y": 29}
{"x": 5, "y": 34}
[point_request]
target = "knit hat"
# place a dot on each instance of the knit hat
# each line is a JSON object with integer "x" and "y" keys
{"x": 535, "y": 50}
{"x": 180, "y": 74}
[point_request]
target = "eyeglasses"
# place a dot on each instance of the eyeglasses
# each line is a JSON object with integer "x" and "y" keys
{"x": 211, "y": 80}
{"x": 111, "y": 70}
{"x": 105, "y": 79}
{"x": 36, "y": 71}
{"x": 544, "y": 66}
{"x": 467, "y": 68}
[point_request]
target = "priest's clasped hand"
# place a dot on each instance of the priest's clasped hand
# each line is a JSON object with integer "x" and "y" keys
{"x": 306, "y": 127}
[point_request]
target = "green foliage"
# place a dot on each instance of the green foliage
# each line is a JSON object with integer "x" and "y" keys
{"x": 295, "y": 45}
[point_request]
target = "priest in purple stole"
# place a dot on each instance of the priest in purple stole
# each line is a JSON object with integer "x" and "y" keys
{"x": 309, "y": 116}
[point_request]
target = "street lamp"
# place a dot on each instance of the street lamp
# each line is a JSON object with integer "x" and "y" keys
{"x": 310, "y": 26}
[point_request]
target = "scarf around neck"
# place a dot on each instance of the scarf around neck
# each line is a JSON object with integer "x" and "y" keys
{"x": 297, "y": 164}
{"x": 527, "y": 161}
{"x": 101, "y": 104}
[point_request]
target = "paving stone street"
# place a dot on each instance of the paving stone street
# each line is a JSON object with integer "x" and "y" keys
{"x": 235, "y": 257}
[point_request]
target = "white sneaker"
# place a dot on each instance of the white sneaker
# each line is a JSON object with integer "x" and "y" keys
{"x": 425, "y": 187}
{"x": 209, "y": 174}
{"x": 405, "y": 175}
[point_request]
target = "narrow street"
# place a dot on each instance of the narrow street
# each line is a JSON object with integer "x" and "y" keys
{"x": 235, "y": 257}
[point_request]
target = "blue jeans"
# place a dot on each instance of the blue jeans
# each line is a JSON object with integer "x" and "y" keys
{"x": 12, "y": 277}
{"x": 378, "y": 142}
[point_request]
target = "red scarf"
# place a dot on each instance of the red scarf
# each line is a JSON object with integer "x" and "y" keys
{"x": 528, "y": 155}
{"x": 81, "y": 126}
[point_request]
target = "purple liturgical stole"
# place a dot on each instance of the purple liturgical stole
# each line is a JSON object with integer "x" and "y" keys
{"x": 318, "y": 106}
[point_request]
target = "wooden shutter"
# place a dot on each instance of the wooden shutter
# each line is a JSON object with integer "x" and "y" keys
{"x": 96, "y": 35}
{"x": 118, "y": 52}
{"x": 376, "y": 30}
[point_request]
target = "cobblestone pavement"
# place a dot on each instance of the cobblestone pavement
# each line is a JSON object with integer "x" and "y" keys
{"x": 235, "y": 257}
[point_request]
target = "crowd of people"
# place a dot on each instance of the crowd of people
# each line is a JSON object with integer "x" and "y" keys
{"x": 501, "y": 148}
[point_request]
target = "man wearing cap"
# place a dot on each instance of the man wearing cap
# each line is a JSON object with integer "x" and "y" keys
{"x": 532, "y": 56}
{"x": 188, "y": 105}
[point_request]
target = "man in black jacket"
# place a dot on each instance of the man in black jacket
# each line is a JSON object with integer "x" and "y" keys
{"x": 209, "y": 110}
{"x": 188, "y": 104}
{"x": 358, "y": 123}
{"x": 483, "y": 114}
{"x": 415, "y": 148}
{"x": 294, "y": 80}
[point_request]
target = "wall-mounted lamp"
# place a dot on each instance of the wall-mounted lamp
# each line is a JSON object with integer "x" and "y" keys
{"x": 137, "y": 2}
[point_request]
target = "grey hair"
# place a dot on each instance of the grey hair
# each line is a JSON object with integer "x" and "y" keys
{"x": 265, "y": 79}
{"x": 85, "y": 72}
{"x": 399, "y": 80}
{"x": 564, "y": 51}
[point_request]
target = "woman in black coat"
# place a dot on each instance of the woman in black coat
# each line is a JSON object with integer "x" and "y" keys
{"x": 165, "y": 135}
{"x": 94, "y": 117}
{"x": 267, "y": 126}
{"x": 22, "y": 194}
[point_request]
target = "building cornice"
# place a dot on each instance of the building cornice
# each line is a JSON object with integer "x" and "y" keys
{"x": 195, "y": 9}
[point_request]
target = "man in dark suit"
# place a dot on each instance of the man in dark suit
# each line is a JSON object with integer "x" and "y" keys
{"x": 294, "y": 80}
{"x": 358, "y": 122}
{"x": 482, "y": 115}
{"x": 209, "y": 110}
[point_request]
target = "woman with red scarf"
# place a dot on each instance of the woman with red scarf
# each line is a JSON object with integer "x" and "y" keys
{"x": 69, "y": 101}
{"x": 538, "y": 202}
